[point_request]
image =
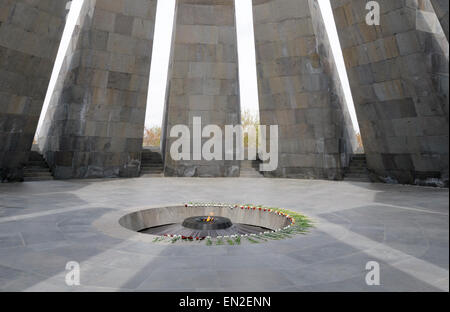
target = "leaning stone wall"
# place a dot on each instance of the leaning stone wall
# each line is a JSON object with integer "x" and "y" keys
{"x": 203, "y": 79}
{"x": 297, "y": 91}
{"x": 30, "y": 32}
{"x": 348, "y": 140}
{"x": 95, "y": 122}
{"x": 398, "y": 73}
{"x": 441, "y": 9}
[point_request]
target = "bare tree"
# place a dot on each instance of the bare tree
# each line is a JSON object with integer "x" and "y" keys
{"x": 152, "y": 136}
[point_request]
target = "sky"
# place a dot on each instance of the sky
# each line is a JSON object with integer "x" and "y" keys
{"x": 161, "y": 51}
{"x": 330, "y": 26}
{"x": 72, "y": 17}
{"x": 160, "y": 63}
{"x": 247, "y": 59}
{"x": 246, "y": 52}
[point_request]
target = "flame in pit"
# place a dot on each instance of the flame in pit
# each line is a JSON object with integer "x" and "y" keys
{"x": 210, "y": 218}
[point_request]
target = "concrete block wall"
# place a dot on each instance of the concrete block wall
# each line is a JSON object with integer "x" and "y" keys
{"x": 398, "y": 73}
{"x": 203, "y": 80}
{"x": 297, "y": 91}
{"x": 95, "y": 122}
{"x": 30, "y": 32}
{"x": 347, "y": 136}
{"x": 441, "y": 9}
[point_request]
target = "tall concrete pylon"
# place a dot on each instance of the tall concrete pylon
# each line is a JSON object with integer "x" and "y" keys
{"x": 398, "y": 73}
{"x": 30, "y": 32}
{"x": 441, "y": 9}
{"x": 203, "y": 81}
{"x": 300, "y": 90}
{"x": 95, "y": 121}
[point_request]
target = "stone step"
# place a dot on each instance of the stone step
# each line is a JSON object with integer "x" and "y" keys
{"x": 357, "y": 170}
{"x": 152, "y": 175}
{"x": 358, "y": 160}
{"x": 36, "y": 169}
{"x": 34, "y": 179}
{"x": 250, "y": 170}
{"x": 151, "y": 158}
{"x": 150, "y": 154}
{"x": 356, "y": 175}
{"x": 151, "y": 164}
{"x": 144, "y": 165}
{"x": 37, "y": 163}
{"x": 152, "y": 170}
{"x": 248, "y": 173}
{"x": 37, "y": 174}
{"x": 250, "y": 164}
{"x": 367, "y": 180}
{"x": 35, "y": 156}
{"x": 159, "y": 163}
{"x": 154, "y": 161}
{"x": 358, "y": 164}
{"x": 358, "y": 180}
{"x": 358, "y": 157}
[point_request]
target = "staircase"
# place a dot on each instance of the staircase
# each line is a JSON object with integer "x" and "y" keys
{"x": 151, "y": 163}
{"x": 357, "y": 169}
{"x": 36, "y": 169}
{"x": 250, "y": 169}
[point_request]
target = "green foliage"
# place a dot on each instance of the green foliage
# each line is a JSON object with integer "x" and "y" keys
{"x": 301, "y": 226}
{"x": 159, "y": 239}
{"x": 249, "y": 120}
{"x": 261, "y": 237}
{"x": 230, "y": 241}
{"x": 251, "y": 240}
{"x": 152, "y": 136}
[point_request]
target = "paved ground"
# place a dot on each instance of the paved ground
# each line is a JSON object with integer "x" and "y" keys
{"x": 43, "y": 225}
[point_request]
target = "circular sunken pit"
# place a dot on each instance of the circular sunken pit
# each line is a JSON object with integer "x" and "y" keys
{"x": 210, "y": 221}
{"x": 205, "y": 226}
{"x": 207, "y": 223}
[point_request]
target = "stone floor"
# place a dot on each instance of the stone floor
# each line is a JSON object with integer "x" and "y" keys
{"x": 43, "y": 225}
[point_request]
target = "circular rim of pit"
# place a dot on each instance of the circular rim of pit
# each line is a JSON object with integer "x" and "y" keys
{"x": 109, "y": 224}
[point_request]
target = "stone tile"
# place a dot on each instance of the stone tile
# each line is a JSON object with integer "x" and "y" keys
{"x": 251, "y": 277}
{"x": 331, "y": 257}
{"x": 180, "y": 279}
{"x": 11, "y": 240}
